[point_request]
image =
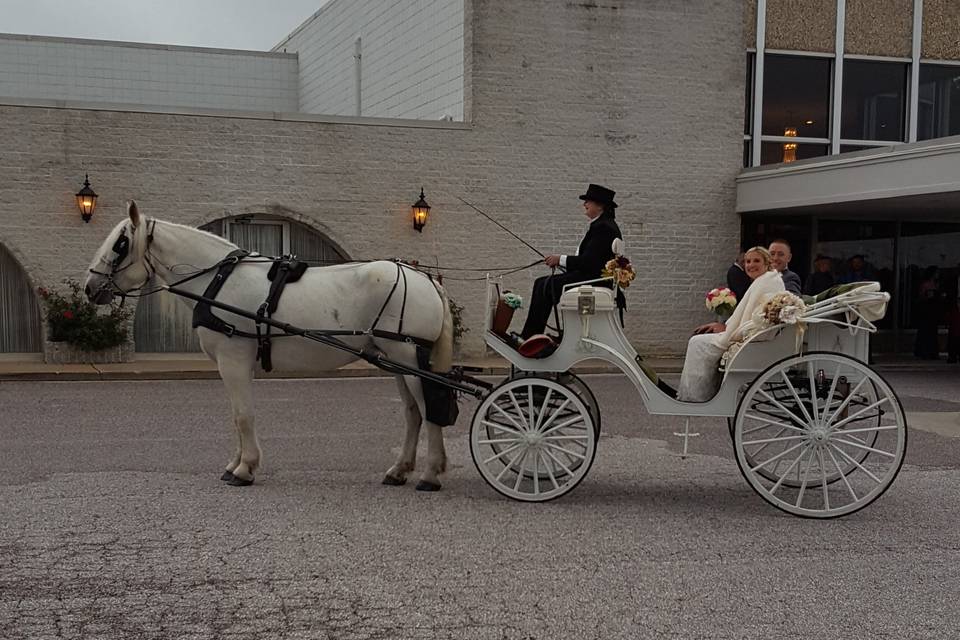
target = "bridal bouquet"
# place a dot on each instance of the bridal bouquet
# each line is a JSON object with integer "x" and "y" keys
{"x": 620, "y": 269}
{"x": 721, "y": 301}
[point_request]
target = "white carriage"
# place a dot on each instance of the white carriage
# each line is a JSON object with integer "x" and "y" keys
{"x": 816, "y": 431}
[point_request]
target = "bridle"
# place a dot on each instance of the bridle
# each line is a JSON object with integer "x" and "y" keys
{"x": 121, "y": 250}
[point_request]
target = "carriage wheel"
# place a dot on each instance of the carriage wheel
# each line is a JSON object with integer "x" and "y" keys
{"x": 533, "y": 439}
{"x": 784, "y": 394}
{"x": 819, "y": 435}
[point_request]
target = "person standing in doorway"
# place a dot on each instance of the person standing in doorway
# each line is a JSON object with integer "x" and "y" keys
{"x": 822, "y": 277}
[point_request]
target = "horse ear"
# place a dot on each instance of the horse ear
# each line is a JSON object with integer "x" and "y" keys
{"x": 134, "y": 213}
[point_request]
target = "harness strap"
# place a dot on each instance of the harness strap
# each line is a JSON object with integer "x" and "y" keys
{"x": 282, "y": 272}
{"x": 203, "y": 314}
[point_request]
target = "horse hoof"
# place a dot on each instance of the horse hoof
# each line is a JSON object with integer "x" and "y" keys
{"x": 239, "y": 482}
{"x": 227, "y": 476}
{"x": 394, "y": 482}
{"x": 423, "y": 485}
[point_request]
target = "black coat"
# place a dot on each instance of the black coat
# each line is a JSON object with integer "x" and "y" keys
{"x": 596, "y": 249}
{"x": 738, "y": 281}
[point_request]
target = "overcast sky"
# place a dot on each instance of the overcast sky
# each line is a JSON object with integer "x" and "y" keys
{"x": 229, "y": 24}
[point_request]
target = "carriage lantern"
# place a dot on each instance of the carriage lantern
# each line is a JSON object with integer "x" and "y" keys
{"x": 86, "y": 200}
{"x": 420, "y": 210}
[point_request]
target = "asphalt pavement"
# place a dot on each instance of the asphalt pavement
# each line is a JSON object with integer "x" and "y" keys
{"x": 115, "y": 525}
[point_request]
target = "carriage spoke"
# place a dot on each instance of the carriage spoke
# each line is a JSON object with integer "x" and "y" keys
{"x": 823, "y": 480}
{"x": 556, "y": 413}
{"x": 497, "y": 441}
{"x": 516, "y": 405}
{"x": 566, "y": 452}
{"x": 789, "y": 414}
{"x": 846, "y": 401}
{"x": 536, "y": 472}
{"x": 796, "y": 397}
{"x": 776, "y": 436}
{"x": 549, "y": 469}
{"x": 849, "y": 418}
{"x": 555, "y": 459}
{"x": 864, "y": 447}
{"x": 777, "y": 457}
{"x": 562, "y": 425}
{"x": 508, "y": 416}
{"x": 519, "y": 469}
{"x": 842, "y": 475}
{"x": 513, "y": 461}
{"x": 502, "y": 453}
{"x": 833, "y": 388}
{"x": 575, "y": 437}
{"x": 888, "y": 427}
{"x": 773, "y": 439}
{"x": 803, "y": 485}
{"x": 501, "y": 427}
{"x": 543, "y": 409}
{"x": 860, "y": 466}
{"x": 768, "y": 422}
{"x": 812, "y": 378}
{"x": 773, "y": 489}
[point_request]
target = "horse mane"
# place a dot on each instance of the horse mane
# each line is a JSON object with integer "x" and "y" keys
{"x": 176, "y": 226}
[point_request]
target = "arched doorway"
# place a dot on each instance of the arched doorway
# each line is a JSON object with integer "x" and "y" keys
{"x": 19, "y": 309}
{"x": 164, "y": 325}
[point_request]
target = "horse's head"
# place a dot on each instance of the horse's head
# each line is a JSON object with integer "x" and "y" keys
{"x": 121, "y": 264}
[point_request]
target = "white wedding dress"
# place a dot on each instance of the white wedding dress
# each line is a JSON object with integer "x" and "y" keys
{"x": 701, "y": 377}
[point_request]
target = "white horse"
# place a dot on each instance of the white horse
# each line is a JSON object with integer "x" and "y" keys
{"x": 341, "y": 297}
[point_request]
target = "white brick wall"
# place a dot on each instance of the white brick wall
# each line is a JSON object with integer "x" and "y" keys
{"x": 412, "y": 58}
{"x": 115, "y": 72}
{"x": 645, "y": 97}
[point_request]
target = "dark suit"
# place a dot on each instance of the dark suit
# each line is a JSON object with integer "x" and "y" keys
{"x": 738, "y": 281}
{"x": 594, "y": 253}
{"x": 791, "y": 281}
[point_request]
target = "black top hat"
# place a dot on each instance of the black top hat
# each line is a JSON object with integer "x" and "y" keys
{"x": 600, "y": 195}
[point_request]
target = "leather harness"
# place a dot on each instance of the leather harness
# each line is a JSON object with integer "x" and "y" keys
{"x": 287, "y": 270}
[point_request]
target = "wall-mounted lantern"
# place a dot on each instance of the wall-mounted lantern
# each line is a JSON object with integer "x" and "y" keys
{"x": 86, "y": 200}
{"x": 420, "y": 210}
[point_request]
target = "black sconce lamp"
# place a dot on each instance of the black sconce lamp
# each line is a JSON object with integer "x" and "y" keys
{"x": 420, "y": 210}
{"x": 86, "y": 200}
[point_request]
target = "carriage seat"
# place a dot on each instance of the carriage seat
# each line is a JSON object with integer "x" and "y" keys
{"x": 603, "y": 298}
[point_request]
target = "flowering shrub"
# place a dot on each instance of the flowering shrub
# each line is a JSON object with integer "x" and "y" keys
{"x": 721, "y": 301}
{"x": 459, "y": 328}
{"x": 77, "y": 321}
{"x": 621, "y": 270}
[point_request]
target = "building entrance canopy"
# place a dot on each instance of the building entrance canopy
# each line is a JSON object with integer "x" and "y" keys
{"x": 904, "y": 179}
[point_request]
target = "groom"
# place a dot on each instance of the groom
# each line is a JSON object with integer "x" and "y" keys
{"x": 595, "y": 250}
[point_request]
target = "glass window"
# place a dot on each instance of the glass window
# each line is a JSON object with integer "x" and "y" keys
{"x": 796, "y": 96}
{"x": 773, "y": 152}
{"x": 874, "y": 100}
{"x": 746, "y": 152}
{"x": 939, "y": 109}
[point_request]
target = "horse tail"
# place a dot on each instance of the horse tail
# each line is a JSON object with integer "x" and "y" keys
{"x": 441, "y": 356}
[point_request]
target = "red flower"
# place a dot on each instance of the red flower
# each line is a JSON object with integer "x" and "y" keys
{"x": 68, "y": 315}
{"x": 622, "y": 262}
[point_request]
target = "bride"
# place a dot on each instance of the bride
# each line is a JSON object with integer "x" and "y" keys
{"x": 701, "y": 375}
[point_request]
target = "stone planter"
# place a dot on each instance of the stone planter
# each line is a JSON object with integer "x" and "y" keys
{"x": 63, "y": 353}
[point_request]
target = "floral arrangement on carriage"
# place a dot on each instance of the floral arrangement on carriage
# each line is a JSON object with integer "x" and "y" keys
{"x": 781, "y": 308}
{"x": 507, "y": 303}
{"x": 621, "y": 270}
{"x": 721, "y": 301}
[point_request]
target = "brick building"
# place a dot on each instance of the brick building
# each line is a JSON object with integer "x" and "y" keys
{"x": 321, "y": 146}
